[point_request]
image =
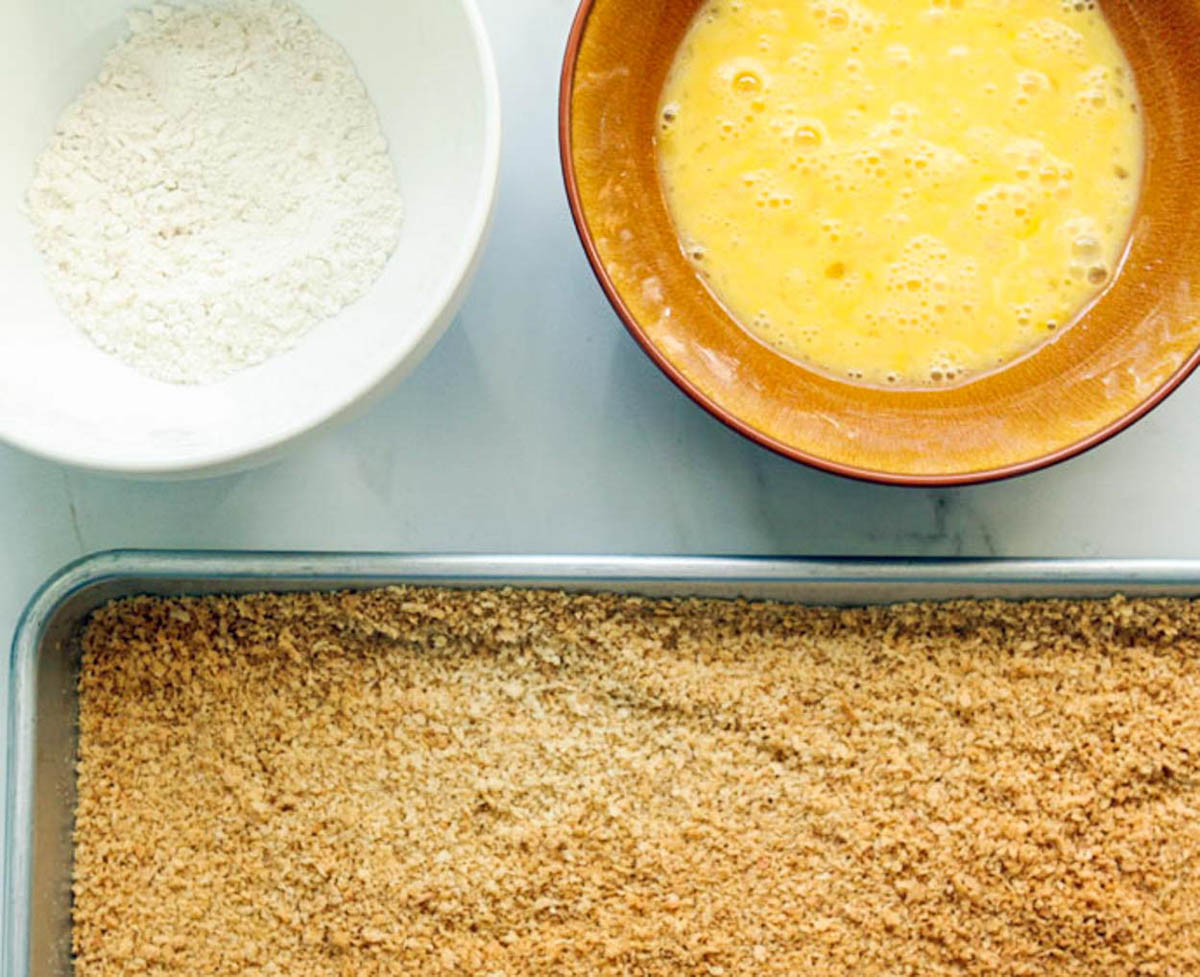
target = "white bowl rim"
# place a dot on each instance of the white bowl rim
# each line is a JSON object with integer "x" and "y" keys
{"x": 392, "y": 366}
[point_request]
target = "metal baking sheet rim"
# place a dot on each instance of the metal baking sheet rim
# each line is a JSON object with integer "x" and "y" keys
{"x": 65, "y": 600}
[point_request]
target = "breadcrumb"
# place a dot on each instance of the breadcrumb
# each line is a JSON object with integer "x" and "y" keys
{"x": 425, "y": 781}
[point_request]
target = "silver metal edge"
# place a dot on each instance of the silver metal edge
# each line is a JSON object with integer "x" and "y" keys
{"x": 376, "y": 569}
{"x": 370, "y": 568}
{"x": 18, "y": 758}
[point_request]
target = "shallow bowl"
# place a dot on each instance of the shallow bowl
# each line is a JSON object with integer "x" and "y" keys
{"x": 1116, "y": 361}
{"x": 428, "y": 67}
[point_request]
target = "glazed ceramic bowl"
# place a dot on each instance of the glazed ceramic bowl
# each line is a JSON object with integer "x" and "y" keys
{"x": 1134, "y": 345}
{"x": 428, "y": 67}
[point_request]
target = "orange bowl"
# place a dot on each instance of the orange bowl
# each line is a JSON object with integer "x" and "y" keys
{"x": 1114, "y": 363}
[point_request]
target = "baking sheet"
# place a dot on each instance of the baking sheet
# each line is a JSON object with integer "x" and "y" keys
{"x": 39, "y": 789}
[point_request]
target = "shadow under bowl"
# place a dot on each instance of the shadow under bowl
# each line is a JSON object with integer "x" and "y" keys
{"x": 1113, "y": 364}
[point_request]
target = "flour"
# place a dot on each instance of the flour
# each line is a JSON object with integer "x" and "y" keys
{"x": 219, "y": 189}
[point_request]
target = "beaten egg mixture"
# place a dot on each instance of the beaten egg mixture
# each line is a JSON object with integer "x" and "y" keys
{"x": 902, "y": 193}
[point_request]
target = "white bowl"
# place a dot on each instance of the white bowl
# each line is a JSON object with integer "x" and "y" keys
{"x": 428, "y": 67}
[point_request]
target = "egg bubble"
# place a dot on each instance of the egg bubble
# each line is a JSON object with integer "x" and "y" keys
{"x": 1032, "y": 82}
{"x": 944, "y": 369}
{"x": 746, "y": 77}
{"x": 1086, "y": 246}
{"x": 808, "y": 134}
{"x": 847, "y": 19}
{"x": 1046, "y": 40}
{"x": 1095, "y": 94}
{"x": 1004, "y": 207}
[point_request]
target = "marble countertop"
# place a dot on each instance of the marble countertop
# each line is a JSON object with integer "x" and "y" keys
{"x": 537, "y": 426}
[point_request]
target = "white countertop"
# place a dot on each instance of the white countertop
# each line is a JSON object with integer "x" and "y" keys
{"x": 537, "y": 426}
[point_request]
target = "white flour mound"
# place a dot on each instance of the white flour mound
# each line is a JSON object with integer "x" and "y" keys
{"x": 219, "y": 189}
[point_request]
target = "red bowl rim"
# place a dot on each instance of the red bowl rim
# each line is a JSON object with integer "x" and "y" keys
{"x": 566, "y": 87}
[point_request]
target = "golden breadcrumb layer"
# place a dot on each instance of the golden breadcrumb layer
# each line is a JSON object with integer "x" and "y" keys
{"x": 434, "y": 782}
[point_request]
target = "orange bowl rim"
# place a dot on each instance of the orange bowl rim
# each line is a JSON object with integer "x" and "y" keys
{"x": 1065, "y": 453}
